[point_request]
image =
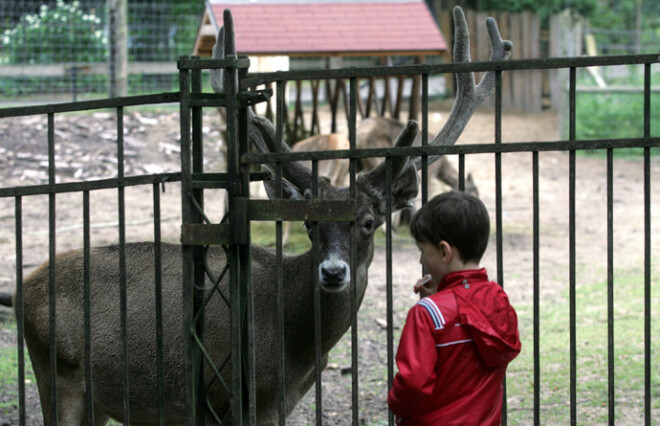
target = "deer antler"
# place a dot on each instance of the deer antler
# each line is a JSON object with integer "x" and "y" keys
{"x": 468, "y": 95}
{"x": 261, "y": 132}
{"x": 223, "y": 47}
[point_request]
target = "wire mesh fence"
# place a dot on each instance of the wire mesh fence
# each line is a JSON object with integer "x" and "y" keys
{"x": 60, "y": 50}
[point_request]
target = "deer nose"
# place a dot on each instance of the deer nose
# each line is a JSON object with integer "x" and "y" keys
{"x": 334, "y": 273}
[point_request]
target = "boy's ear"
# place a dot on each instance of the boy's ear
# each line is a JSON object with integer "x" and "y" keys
{"x": 446, "y": 250}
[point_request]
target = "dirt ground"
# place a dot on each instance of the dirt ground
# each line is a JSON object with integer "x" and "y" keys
{"x": 86, "y": 149}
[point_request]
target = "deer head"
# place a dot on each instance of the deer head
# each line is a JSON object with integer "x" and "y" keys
{"x": 372, "y": 188}
{"x": 334, "y": 270}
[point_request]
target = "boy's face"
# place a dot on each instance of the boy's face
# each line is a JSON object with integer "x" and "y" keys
{"x": 434, "y": 259}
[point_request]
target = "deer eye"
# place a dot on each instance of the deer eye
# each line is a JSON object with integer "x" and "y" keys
{"x": 368, "y": 225}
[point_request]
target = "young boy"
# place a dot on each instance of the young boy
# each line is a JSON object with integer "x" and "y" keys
{"x": 460, "y": 336}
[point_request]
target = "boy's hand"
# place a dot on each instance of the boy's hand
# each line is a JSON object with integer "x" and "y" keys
{"x": 425, "y": 286}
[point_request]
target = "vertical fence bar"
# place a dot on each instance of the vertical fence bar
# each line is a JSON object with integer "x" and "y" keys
{"x": 51, "y": 266}
{"x": 498, "y": 176}
{"x": 198, "y": 251}
{"x": 355, "y": 350}
{"x": 498, "y": 204}
{"x": 18, "y": 306}
{"x": 647, "y": 248}
{"x": 388, "y": 242}
{"x": 246, "y": 265}
{"x": 610, "y": 285}
{"x": 123, "y": 301}
{"x": 158, "y": 297}
{"x": 461, "y": 172}
{"x": 237, "y": 291}
{"x": 536, "y": 277}
{"x": 389, "y": 283}
{"x": 571, "y": 238}
{"x": 425, "y": 137}
{"x": 187, "y": 252}
{"x": 89, "y": 391}
{"x": 318, "y": 353}
{"x": 279, "y": 123}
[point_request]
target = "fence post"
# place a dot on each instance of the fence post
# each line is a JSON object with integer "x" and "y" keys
{"x": 565, "y": 41}
{"x": 118, "y": 58}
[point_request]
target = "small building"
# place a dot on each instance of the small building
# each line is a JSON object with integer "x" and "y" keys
{"x": 273, "y": 33}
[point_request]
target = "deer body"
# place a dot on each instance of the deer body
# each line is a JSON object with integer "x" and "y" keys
{"x": 336, "y": 170}
{"x": 334, "y": 273}
{"x": 106, "y": 339}
{"x": 381, "y": 132}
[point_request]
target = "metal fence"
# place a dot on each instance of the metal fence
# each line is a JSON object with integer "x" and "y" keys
{"x": 207, "y": 285}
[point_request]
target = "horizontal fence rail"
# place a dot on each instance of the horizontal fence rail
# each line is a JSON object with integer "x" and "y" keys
{"x": 480, "y": 66}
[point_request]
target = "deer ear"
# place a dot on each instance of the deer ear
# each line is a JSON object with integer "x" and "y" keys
{"x": 405, "y": 188}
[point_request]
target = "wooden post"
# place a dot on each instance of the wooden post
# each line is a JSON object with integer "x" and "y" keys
{"x": 118, "y": 58}
{"x": 371, "y": 97}
{"x": 415, "y": 95}
{"x": 396, "y": 112}
{"x": 298, "y": 116}
{"x": 316, "y": 122}
{"x": 446, "y": 22}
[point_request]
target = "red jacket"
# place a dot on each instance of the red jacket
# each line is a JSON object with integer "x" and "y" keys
{"x": 453, "y": 354}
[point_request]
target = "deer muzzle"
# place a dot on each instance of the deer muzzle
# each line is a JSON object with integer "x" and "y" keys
{"x": 334, "y": 274}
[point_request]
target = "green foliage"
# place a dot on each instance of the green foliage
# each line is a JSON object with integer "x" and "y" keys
{"x": 171, "y": 31}
{"x": 622, "y": 14}
{"x": 615, "y": 116}
{"x": 583, "y": 7}
{"x": 63, "y": 33}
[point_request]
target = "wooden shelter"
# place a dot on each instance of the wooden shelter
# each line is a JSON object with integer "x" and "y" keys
{"x": 330, "y": 29}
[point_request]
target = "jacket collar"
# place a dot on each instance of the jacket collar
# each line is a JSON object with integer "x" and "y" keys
{"x": 453, "y": 279}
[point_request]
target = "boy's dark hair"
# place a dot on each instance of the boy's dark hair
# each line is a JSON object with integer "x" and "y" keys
{"x": 457, "y": 218}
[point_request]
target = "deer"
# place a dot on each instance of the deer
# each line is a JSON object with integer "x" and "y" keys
{"x": 381, "y": 132}
{"x": 335, "y": 170}
{"x": 333, "y": 271}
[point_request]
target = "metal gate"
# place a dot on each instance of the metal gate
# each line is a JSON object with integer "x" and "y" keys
{"x": 236, "y": 375}
{"x": 249, "y": 210}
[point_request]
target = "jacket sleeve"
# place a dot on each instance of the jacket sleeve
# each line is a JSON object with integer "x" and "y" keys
{"x": 416, "y": 359}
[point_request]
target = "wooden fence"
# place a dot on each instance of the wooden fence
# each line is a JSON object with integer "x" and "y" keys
{"x": 524, "y": 90}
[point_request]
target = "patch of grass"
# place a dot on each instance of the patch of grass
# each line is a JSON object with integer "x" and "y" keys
{"x": 263, "y": 234}
{"x": 591, "y": 355}
{"x": 9, "y": 372}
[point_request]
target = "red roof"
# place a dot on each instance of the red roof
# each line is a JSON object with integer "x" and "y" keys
{"x": 323, "y": 26}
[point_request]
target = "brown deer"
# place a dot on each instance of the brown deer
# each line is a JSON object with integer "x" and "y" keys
{"x": 333, "y": 271}
{"x": 381, "y": 132}
{"x": 336, "y": 170}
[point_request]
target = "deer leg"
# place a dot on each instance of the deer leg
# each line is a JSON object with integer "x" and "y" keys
{"x": 71, "y": 407}
{"x": 42, "y": 373}
{"x": 446, "y": 173}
